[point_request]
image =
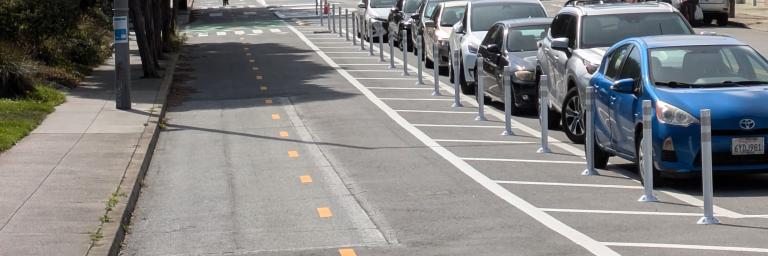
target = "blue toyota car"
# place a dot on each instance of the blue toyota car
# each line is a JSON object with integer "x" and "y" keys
{"x": 682, "y": 74}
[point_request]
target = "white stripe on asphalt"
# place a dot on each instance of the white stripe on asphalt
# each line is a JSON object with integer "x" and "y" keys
{"x": 488, "y": 141}
{"x": 566, "y": 184}
{"x": 542, "y": 217}
{"x": 239, "y": 33}
{"x": 521, "y": 160}
{"x": 257, "y": 31}
{"x": 275, "y": 30}
{"x": 364, "y": 64}
{"x": 385, "y": 78}
{"x": 398, "y": 88}
{"x": 459, "y": 126}
{"x": 378, "y": 71}
{"x": 352, "y": 58}
{"x": 688, "y": 246}
{"x": 221, "y": 33}
{"x": 202, "y": 34}
{"x": 433, "y": 111}
{"x": 688, "y": 214}
{"x": 347, "y": 52}
{"x": 336, "y": 47}
{"x": 414, "y": 99}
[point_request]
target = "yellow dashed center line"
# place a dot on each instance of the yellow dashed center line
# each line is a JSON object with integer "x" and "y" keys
{"x": 324, "y": 212}
{"x": 347, "y": 252}
{"x": 268, "y": 101}
{"x": 283, "y": 134}
{"x": 275, "y": 116}
{"x": 305, "y": 179}
{"x": 293, "y": 154}
{"x": 263, "y": 88}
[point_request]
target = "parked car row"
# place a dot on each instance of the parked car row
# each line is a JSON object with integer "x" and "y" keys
{"x": 629, "y": 52}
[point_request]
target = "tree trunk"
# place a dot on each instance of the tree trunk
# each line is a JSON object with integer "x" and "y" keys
{"x": 148, "y": 60}
{"x": 157, "y": 23}
{"x": 169, "y": 22}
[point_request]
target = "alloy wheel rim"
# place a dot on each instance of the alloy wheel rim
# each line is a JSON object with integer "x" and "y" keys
{"x": 573, "y": 117}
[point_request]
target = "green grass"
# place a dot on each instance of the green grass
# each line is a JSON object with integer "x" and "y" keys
{"x": 19, "y": 116}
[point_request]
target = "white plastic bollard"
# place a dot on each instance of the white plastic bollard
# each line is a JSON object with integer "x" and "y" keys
{"x": 341, "y": 23}
{"x": 329, "y": 17}
{"x": 480, "y": 93}
{"x": 370, "y": 39}
{"x": 544, "y": 114}
{"x": 322, "y": 16}
{"x": 354, "y": 29}
{"x": 332, "y": 13}
{"x": 391, "y": 52}
{"x": 456, "y": 85}
{"x": 647, "y": 155}
{"x": 507, "y": 101}
{"x": 420, "y": 66}
{"x": 404, "y": 45}
{"x": 590, "y": 131}
{"x": 436, "y": 69}
{"x": 346, "y": 24}
{"x": 381, "y": 43}
{"x": 706, "y": 168}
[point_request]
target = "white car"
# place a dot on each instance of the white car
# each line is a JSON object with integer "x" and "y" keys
{"x": 715, "y": 10}
{"x": 479, "y": 16}
{"x": 373, "y": 15}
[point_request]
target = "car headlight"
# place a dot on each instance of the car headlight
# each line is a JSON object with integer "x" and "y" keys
{"x": 472, "y": 48}
{"x": 525, "y": 75}
{"x": 591, "y": 67}
{"x": 668, "y": 114}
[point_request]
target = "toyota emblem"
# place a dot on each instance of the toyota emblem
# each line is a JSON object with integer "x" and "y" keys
{"x": 747, "y": 124}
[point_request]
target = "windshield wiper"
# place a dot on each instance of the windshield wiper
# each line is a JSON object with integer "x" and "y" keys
{"x": 746, "y": 82}
{"x": 674, "y": 84}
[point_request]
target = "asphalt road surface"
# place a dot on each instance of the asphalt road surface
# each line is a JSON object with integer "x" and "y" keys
{"x": 285, "y": 139}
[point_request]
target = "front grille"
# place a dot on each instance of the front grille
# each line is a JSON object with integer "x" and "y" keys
{"x": 728, "y": 159}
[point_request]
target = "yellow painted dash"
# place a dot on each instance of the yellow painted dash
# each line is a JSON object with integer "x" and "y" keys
{"x": 275, "y": 116}
{"x": 293, "y": 154}
{"x": 324, "y": 212}
{"x": 305, "y": 179}
{"x": 347, "y": 252}
{"x": 283, "y": 134}
{"x": 268, "y": 101}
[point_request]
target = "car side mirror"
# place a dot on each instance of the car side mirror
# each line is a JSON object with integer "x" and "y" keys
{"x": 429, "y": 23}
{"x": 460, "y": 30}
{"x": 415, "y": 16}
{"x": 361, "y": 5}
{"x": 560, "y": 44}
{"x": 492, "y": 48}
{"x": 625, "y": 85}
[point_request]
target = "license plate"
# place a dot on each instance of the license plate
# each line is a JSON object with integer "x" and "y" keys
{"x": 748, "y": 146}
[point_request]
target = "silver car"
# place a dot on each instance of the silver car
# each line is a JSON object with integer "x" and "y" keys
{"x": 372, "y": 17}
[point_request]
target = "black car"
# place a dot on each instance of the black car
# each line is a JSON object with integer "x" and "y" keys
{"x": 513, "y": 43}
{"x": 400, "y": 18}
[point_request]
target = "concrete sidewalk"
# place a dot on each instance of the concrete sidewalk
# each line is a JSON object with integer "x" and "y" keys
{"x": 754, "y": 17}
{"x": 55, "y": 184}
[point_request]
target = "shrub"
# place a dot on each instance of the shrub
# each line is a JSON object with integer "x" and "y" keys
{"x": 15, "y": 71}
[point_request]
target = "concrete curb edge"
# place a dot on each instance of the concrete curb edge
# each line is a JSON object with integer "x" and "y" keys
{"x": 131, "y": 183}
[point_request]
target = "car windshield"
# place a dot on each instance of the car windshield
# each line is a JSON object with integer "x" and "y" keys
{"x": 486, "y": 14}
{"x": 606, "y": 30}
{"x": 707, "y": 66}
{"x": 382, "y": 3}
{"x": 430, "y": 8}
{"x": 451, "y": 15}
{"x": 525, "y": 39}
{"x": 411, "y": 6}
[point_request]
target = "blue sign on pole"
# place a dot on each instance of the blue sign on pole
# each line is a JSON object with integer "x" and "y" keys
{"x": 120, "y": 25}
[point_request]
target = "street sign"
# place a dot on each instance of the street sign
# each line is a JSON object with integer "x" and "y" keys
{"x": 121, "y": 29}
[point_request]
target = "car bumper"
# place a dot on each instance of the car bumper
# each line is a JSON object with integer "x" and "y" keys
{"x": 686, "y": 158}
{"x": 715, "y": 7}
{"x": 526, "y": 93}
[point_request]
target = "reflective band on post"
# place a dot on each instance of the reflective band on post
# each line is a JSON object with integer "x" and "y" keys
{"x": 544, "y": 114}
{"x": 706, "y": 169}
{"x": 590, "y": 132}
{"x": 480, "y": 93}
{"x": 456, "y": 85}
{"x": 647, "y": 154}
{"x": 404, "y": 44}
{"x": 436, "y": 69}
{"x": 507, "y": 101}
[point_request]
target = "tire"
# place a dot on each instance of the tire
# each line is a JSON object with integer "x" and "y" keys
{"x": 466, "y": 87}
{"x": 599, "y": 157}
{"x": 658, "y": 181}
{"x": 572, "y": 117}
{"x": 428, "y": 62}
{"x": 707, "y": 21}
{"x": 554, "y": 119}
{"x": 722, "y": 20}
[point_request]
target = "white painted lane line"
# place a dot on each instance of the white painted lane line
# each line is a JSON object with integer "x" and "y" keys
{"x": 239, "y": 32}
{"x": 566, "y": 184}
{"x": 221, "y": 33}
{"x": 687, "y": 214}
{"x": 364, "y": 64}
{"x": 348, "y": 53}
{"x": 339, "y": 42}
{"x": 275, "y": 30}
{"x": 521, "y": 160}
{"x": 352, "y": 58}
{"x": 215, "y": 14}
{"x": 542, "y": 217}
{"x": 337, "y": 47}
{"x": 379, "y": 70}
{"x": 202, "y": 34}
{"x": 257, "y": 31}
{"x": 413, "y": 99}
{"x": 487, "y": 141}
{"x": 399, "y": 88}
{"x": 434, "y": 111}
{"x": 459, "y": 126}
{"x": 385, "y": 78}
{"x": 687, "y": 246}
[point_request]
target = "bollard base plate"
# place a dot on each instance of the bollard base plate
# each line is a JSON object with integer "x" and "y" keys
{"x": 543, "y": 150}
{"x": 436, "y": 93}
{"x": 589, "y": 172}
{"x": 507, "y": 133}
{"x": 406, "y": 74}
{"x": 420, "y": 83}
{"x": 648, "y": 198}
{"x": 457, "y": 105}
{"x": 480, "y": 118}
{"x": 708, "y": 221}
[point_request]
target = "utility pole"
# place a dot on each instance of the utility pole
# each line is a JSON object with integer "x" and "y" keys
{"x": 122, "y": 56}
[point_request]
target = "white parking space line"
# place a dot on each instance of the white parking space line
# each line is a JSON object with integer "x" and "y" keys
{"x": 459, "y": 126}
{"x": 566, "y": 184}
{"x": 487, "y": 141}
{"x": 364, "y": 64}
{"x": 521, "y": 160}
{"x": 542, "y": 217}
{"x": 275, "y": 30}
{"x": 257, "y": 31}
{"x": 378, "y": 71}
{"x": 696, "y": 202}
{"x": 239, "y": 33}
{"x": 221, "y": 33}
{"x": 339, "y": 42}
{"x": 351, "y": 58}
{"x": 686, "y": 214}
{"x": 414, "y": 99}
{"x": 346, "y": 52}
{"x": 202, "y": 34}
{"x": 688, "y": 246}
{"x": 336, "y": 47}
{"x": 385, "y": 78}
{"x": 436, "y": 111}
{"x": 400, "y": 88}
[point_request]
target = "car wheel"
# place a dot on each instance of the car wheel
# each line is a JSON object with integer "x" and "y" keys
{"x": 428, "y": 62}
{"x": 573, "y": 116}
{"x": 639, "y": 156}
{"x": 466, "y": 87}
{"x": 722, "y": 20}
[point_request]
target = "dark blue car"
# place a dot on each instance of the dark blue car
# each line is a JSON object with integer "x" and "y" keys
{"x": 681, "y": 75}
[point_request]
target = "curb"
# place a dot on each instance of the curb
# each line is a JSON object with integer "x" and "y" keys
{"x": 113, "y": 231}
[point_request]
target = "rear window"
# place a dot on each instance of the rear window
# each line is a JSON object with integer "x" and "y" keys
{"x": 485, "y": 15}
{"x": 525, "y": 39}
{"x": 382, "y": 3}
{"x": 606, "y": 30}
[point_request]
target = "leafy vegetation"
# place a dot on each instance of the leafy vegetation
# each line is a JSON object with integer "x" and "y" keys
{"x": 20, "y": 115}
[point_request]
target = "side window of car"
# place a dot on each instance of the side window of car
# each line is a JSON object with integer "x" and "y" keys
{"x": 490, "y": 39}
{"x": 615, "y": 61}
{"x": 570, "y": 32}
{"x": 557, "y": 28}
{"x": 631, "y": 67}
